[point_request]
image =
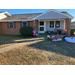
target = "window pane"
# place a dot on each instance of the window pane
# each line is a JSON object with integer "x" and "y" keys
{"x": 57, "y": 24}
{"x": 41, "y": 23}
{"x": 51, "y": 24}
{"x": 41, "y": 28}
{"x": 24, "y": 23}
{"x": 11, "y": 25}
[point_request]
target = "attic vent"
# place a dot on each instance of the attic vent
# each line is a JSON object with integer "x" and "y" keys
{"x": 5, "y": 14}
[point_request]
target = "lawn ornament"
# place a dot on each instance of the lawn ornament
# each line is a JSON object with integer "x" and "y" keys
{"x": 48, "y": 36}
{"x": 70, "y": 39}
{"x": 64, "y": 31}
{"x": 34, "y": 33}
{"x": 56, "y": 38}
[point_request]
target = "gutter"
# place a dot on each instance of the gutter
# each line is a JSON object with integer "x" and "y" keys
{"x": 13, "y": 20}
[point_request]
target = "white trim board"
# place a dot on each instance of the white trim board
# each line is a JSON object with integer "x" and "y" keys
{"x": 13, "y": 20}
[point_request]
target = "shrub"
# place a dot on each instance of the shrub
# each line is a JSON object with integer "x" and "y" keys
{"x": 26, "y": 31}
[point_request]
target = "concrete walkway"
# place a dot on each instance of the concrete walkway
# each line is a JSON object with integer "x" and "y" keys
{"x": 18, "y": 45}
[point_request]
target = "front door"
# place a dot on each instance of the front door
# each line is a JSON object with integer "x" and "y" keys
{"x": 41, "y": 27}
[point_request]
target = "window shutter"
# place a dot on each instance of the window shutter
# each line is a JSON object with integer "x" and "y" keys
{"x": 27, "y": 23}
{"x": 14, "y": 25}
{"x": 8, "y": 25}
{"x": 20, "y": 24}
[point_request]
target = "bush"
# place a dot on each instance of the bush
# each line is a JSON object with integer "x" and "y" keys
{"x": 26, "y": 31}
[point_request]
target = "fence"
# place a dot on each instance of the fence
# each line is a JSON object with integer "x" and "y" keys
{"x": 72, "y": 32}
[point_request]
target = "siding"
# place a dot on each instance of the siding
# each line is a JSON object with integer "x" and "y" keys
{"x": 62, "y": 24}
{"x": 2, "y": 15}
{"x": 52, "y": 15}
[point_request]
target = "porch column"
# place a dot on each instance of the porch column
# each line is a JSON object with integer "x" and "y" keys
{"x": 68, "y": 26}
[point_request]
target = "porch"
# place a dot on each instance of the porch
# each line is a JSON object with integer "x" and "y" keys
{"x": 52, "y": 19}
{"x": 50, "y": 25}
{"x": 42, "y": 26}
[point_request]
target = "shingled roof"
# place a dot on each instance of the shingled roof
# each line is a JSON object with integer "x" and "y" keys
{"x": 66, "y": 13}
{"x": 25, "y": 17}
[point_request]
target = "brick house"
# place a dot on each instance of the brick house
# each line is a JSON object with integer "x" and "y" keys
{"x": 42, "y": 22}
{"x": 72, "y": 24}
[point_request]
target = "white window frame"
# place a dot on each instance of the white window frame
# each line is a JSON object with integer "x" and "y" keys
{"x": 41, "y": 26}
{"x": 55, "y": 24}
{"x": 9, "y": 25}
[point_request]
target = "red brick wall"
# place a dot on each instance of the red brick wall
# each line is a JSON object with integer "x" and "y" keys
{"x": 31, "y": 23}
{"x": 34, "y": 24}
{"x": 68, "y": 26}
{"x": 5, "y": 31}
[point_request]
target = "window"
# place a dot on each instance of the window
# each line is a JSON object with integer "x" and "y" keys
{"x": 11, "y": 25}
{"x": 24, "y": 23}
{"x": 41, "y": 28}
{"x": 57, "y": 24}
{"x": 51, "y": 24}
{"x": 41, "y": 23}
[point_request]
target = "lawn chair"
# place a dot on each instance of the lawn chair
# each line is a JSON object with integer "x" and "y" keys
{"x": 55, "y": 31}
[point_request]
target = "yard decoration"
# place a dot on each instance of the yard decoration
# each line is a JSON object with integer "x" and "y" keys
{"x": 34, "y": 33}
{"x": 64, "y": 31}
{"x": 55, "y": 38}
{"x": 70, "y": 39}
{"x": 48, "y": 36}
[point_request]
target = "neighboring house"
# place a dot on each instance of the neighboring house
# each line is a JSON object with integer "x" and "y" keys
{"x": 72, "y": 24}
{"x": 42, "y": 22}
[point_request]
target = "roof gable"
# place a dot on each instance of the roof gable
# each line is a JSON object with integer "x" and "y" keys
{"x": 5, "y": 13}
{"x": 52, "y": 14}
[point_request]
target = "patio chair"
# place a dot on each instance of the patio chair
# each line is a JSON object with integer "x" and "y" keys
{"x": 55, "y": 30}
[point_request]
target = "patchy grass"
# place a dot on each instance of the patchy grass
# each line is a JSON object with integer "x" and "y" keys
{"x": 43, "y": 52}
{"x": 7, "y": 40}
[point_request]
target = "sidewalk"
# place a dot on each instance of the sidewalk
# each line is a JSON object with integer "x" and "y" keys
{"x": 18, "y": 45}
